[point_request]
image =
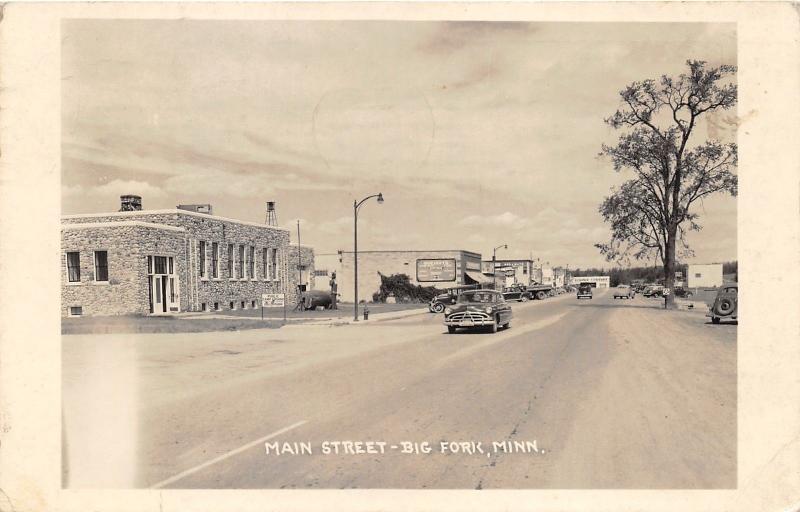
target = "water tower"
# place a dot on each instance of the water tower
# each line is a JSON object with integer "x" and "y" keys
{"x": 272, "y": 216}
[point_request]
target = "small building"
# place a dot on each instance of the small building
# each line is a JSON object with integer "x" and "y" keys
{"x": 441, "y": 268}
{"x": 160, "y": 262}
{"x": 509, "y": 271}
{"x": 704, "y": 275}
{"x": 595, "y": 281}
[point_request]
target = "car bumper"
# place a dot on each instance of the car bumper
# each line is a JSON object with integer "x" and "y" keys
{"x": 581, "y": 296}
{"x": 732, "y": 317}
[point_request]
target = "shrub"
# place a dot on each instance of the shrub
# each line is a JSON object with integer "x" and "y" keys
{"x": 400, "y": 286}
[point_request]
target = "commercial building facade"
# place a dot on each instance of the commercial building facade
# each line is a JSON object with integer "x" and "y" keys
{"x": 162, "y": 262}
{"x": 704, "y": 275}
{"x": 595, "y": 281}
{"x": 442, "y": 269}
{"x": 509, "y": 271}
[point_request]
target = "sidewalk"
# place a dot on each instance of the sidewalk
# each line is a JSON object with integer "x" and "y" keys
{"x": 239, "y": 320}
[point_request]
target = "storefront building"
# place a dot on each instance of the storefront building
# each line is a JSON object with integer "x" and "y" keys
{"x": 442, "y": 269}
{"x": 509, "y": 272}
{"x": 160, "y": 262}
{"x": 595, "y": 281}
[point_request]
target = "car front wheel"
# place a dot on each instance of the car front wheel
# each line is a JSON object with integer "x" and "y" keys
{"x": 438, "y": 307}
{"x": 451, "y": 329}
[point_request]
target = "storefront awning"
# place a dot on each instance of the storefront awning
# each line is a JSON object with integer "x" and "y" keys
{"x": 475, "y": 278}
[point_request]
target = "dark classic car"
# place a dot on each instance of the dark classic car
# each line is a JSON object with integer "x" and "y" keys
{"x": 584, "y": 291}
{"x": 726, "y": 304}
{"x": 682, "y": 292}
{"x": 517, "y": 292}
{"x": 655, "y": 290}
{"x": 441, "y": 301}
{"x": 478, "y": 308}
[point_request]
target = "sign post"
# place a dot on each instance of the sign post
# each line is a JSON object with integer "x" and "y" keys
{"x": 273, "y": 300}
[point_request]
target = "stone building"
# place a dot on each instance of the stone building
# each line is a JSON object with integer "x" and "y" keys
{"x": 156, "y": 262}
{"x": 304, "y": 267}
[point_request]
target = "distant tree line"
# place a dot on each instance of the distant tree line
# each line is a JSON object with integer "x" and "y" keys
{"x": 654, "y": 274}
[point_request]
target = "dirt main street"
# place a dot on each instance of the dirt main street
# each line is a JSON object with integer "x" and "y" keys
{"x": 589, "y": 394}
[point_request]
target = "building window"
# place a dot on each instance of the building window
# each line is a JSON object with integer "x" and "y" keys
{"x": 320, "y": 273}
{"x": 251, "y": 263}
{"x": 101, "y": 265}
{"x": 202, "y": 259}
{"x": 203, "y": 307}
{"x": 274, "y": 263}
{"x": 160, "y": 263}
{"x": 244, "y": 305}
{"x": 232, "y": 305}
{"x": 241, "y": 262}
{"x": 76, "y": 310}
{"x": 216, "y": 306}
{"x": 264, "y": 263}
{"x": 74, "y": 267}
{"x": 698, "y": 275}
{"x": 253, "y": 304}
{"x": 230, "y": 261}
{"x": 214, "y": 260}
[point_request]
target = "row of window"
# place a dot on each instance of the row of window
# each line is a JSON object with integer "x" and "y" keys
{"x": 232, "y": 305}
{"x": 100, "y": 266}
{"x": 241, "y": 262}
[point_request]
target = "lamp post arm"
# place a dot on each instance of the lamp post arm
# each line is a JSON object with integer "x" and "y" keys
{"x": 357, "y": 205}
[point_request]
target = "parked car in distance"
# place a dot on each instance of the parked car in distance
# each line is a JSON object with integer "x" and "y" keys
{"x": 682, "y": 292}
{"x": 517, "y": 292}
{"x": 441, "y": 301}
{"x": 478, "y": 308}
{"x": 726, "y": 304}
{"x": 653, "y": 291}
{"x": 584, "y": 291}
{"x": 623, "y": 291}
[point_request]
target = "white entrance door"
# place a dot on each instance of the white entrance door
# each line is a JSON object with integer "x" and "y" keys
{"x": 163, "y": 285}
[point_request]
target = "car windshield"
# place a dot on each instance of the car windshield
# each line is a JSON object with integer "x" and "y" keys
{"x": 476, "y": 297}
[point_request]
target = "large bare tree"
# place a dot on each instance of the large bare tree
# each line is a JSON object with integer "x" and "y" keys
{"x": 651, "y": 213}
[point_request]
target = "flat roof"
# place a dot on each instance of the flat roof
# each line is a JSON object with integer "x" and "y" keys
{"x": 170, "y": 211}
{"x": 122, "y": 224}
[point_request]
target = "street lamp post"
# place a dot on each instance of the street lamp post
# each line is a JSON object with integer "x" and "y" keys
{"x": 494, "y": 264}
{"x": 356, "y": 206}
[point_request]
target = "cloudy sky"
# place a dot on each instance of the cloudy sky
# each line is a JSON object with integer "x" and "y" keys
{"x": 478, "y": 134}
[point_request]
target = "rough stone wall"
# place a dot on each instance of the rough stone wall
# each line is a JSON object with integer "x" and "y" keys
{"x": 306, "y": 261}
{"x": 126, "y": 291}
{"x": 196, "y": 290}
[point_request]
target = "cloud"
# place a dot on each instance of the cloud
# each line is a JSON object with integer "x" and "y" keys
{"x": 122, "y": 187}
{"x": 505, "y": 219}
{"x": 212, "y": 184}
{"x": 456, "y": 35}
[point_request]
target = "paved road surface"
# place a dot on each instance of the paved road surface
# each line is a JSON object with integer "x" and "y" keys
{"x": 612, "y": 394}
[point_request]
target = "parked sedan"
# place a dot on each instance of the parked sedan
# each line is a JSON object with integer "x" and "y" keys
{"x": 726, "y": 304}
{"x": 517, "y": 292}
{"x": 478, "y": 308}
{"x": 623, "y": 291}
{"x": 654, "y": 291}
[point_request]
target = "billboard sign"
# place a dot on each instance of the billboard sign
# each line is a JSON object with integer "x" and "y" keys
{"x": 273, "y": 300}
{"x": 436, "y": 270}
